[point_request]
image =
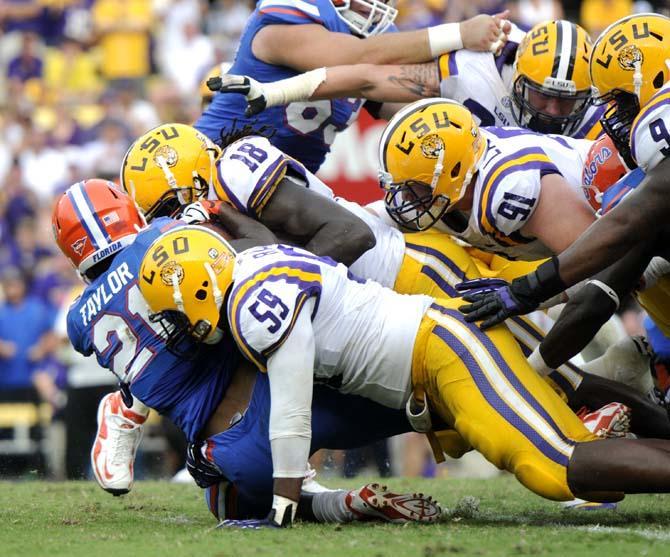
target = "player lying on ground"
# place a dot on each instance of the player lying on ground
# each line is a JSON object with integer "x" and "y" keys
{"x": 302, "y": 319}
{"x": 286, "y": 37}
{"x": 542, "y": 84}
{"x": 629, "y": 69}
{"x": 201, "y": 391}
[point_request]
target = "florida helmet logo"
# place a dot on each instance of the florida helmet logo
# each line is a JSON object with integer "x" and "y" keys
{"x": 79, "y": 245}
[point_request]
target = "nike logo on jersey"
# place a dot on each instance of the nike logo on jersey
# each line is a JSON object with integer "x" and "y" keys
{"x": 102, "y": 295}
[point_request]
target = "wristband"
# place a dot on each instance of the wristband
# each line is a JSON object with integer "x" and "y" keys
{"x": 538, "y": 364}
{"x": 283, "y": 511}
{"x": 293, "y": 89}
{"x": 444, "y": 38}
{"x": 607, "y": 290}
{"x": 546, "y": 282}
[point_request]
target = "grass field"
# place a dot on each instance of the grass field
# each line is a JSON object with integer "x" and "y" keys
{"x": 160, "y": 519}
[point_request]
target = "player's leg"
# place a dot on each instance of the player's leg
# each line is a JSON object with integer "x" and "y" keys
{"x": 480, "y": 383}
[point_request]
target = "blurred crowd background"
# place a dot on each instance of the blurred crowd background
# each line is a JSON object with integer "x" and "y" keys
{"x": 79, "y": 80}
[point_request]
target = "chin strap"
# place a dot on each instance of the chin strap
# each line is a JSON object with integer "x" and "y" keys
{"x": 439, "y": 169}
{"x": 176, "y": 292}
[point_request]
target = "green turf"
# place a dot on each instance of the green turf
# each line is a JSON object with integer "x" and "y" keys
{"x": 160, "y": 519}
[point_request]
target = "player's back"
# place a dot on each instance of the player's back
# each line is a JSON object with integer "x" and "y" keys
{"x": 111, "y": 320}
{"x": 364, "y": 333}
{"x": 304, "y": 131}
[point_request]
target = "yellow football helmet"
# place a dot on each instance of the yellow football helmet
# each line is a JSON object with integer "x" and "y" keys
{"x": 628, "y": 66}
{"x": 206, "y": 94}
{"x": 551, "y": 87}
{"x": 428, "y": 154}
{"x": 169, "y": 166}
{"x": 184, "y": 277}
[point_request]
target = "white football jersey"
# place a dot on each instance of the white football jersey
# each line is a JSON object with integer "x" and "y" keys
{"x": 482, "y": 82}
{"x": 507, "y": 188}
{"x": 650, "y": 134}
{"x": 249, "y": 171}
{"x": 364, "y": 333}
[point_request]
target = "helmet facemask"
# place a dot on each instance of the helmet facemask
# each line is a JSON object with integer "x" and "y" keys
{"x": 372, "y": 17}
{"x": 529, "y": 116}
{"x": 412, "y": 205}
{"x": 618, "y": 120}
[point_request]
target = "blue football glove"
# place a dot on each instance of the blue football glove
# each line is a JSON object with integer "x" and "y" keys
{"x": 249, "y": 524}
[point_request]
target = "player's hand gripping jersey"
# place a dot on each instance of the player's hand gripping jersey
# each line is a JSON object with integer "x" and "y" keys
{"x": 507, "y": 188}
{"x": 304, "y": 131}
{"x": 111, "y": 320}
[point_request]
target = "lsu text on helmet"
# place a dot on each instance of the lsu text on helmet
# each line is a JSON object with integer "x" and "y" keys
{"x": 92, "y": 221}
{"x": 551, "y": 86}
{"x": 428, "y": 154}
{"x": 184, "y": 277}
{"x": 169, "y": 166}
{"x": 367, "y": 17}
{"x": 628, "y": 65}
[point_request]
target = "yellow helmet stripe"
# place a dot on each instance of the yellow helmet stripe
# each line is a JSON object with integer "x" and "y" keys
{"x": 532, "y": 158}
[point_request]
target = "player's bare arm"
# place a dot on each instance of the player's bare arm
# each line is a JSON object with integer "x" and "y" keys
{"x": 590, "y": 308}
{"x": 317, "y": 223}
{"x": 482, "y": 32}
{"x": 560, "y": 216}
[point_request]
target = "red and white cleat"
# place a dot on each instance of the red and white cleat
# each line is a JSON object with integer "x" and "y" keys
{"x": 119, "y": 435}
{"x": 374, "y": 501}
{"x": 612, "y": 420}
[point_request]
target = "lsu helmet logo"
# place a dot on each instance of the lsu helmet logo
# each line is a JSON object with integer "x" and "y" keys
{"x": 431, "y": 145}
{"x": 79, "y": 245}
{"x": 629, "y": 56}
{"x": 166, "y": 154}
{"x": 169, "y": 271}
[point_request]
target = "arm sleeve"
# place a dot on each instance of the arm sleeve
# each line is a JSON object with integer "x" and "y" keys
{"x": 291, "y": 373}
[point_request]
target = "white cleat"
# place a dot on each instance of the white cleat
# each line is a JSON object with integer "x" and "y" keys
{"x": 374, "y": 501}
{"x": 113, "y": 454}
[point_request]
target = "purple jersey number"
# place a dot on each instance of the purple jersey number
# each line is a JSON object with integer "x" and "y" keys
{"x": 659, "y": 132}
{"x": 273, "y": 303}
{"x": 250, "y": 155}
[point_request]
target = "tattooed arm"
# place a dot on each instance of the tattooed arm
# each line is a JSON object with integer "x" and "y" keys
{"x": 403, "y": 83}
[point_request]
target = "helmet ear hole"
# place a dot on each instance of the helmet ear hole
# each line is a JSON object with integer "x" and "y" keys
{"x": 201, "y": 295}
{"x": 455, "y": 171}
{"x": 659, "y": 80}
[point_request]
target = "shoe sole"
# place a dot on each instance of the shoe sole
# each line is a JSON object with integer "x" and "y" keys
{"x": 413, "y": 508}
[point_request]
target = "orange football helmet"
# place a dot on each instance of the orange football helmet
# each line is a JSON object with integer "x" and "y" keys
{"x": 93, "y": 220}
{"x": 604, "y": 166}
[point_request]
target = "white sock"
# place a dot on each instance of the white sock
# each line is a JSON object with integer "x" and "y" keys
{"x": 331, "y": 506}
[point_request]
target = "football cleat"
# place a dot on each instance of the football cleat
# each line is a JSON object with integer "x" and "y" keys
{"x": 113, "y": 454}
{"x": 375, "y": 502}
{"x": 612, "y": 420}
{"x": 581, "y": 505}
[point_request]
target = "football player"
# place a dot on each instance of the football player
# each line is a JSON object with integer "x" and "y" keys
{"x": 200, "y": 388}
{"x": 629, "y": 70}
{"x": 286, "y": 37}
{"x": 427, "y": 263}
{"x": 542, "y": 84}
{"x": 303, "y": 320}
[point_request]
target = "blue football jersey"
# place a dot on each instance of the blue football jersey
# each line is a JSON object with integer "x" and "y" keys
{"x": 620, "y": 189}
{"x": 111, "y": 320}
{"x": 304, "y": 131}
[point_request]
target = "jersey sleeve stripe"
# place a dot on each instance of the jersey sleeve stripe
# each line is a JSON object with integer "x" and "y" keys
{"x": 591, "y": 129}
{"x": 266, "y": 186}
{"x": 447, "y": 66}
{"x": 532, "y": 158}
{"x": 225, "y": 193}
{"x": 662, "y": 98}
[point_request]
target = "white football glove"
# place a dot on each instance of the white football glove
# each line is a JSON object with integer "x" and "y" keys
{"x": 250, "y": 88}
{"x": 195, "y": 213}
